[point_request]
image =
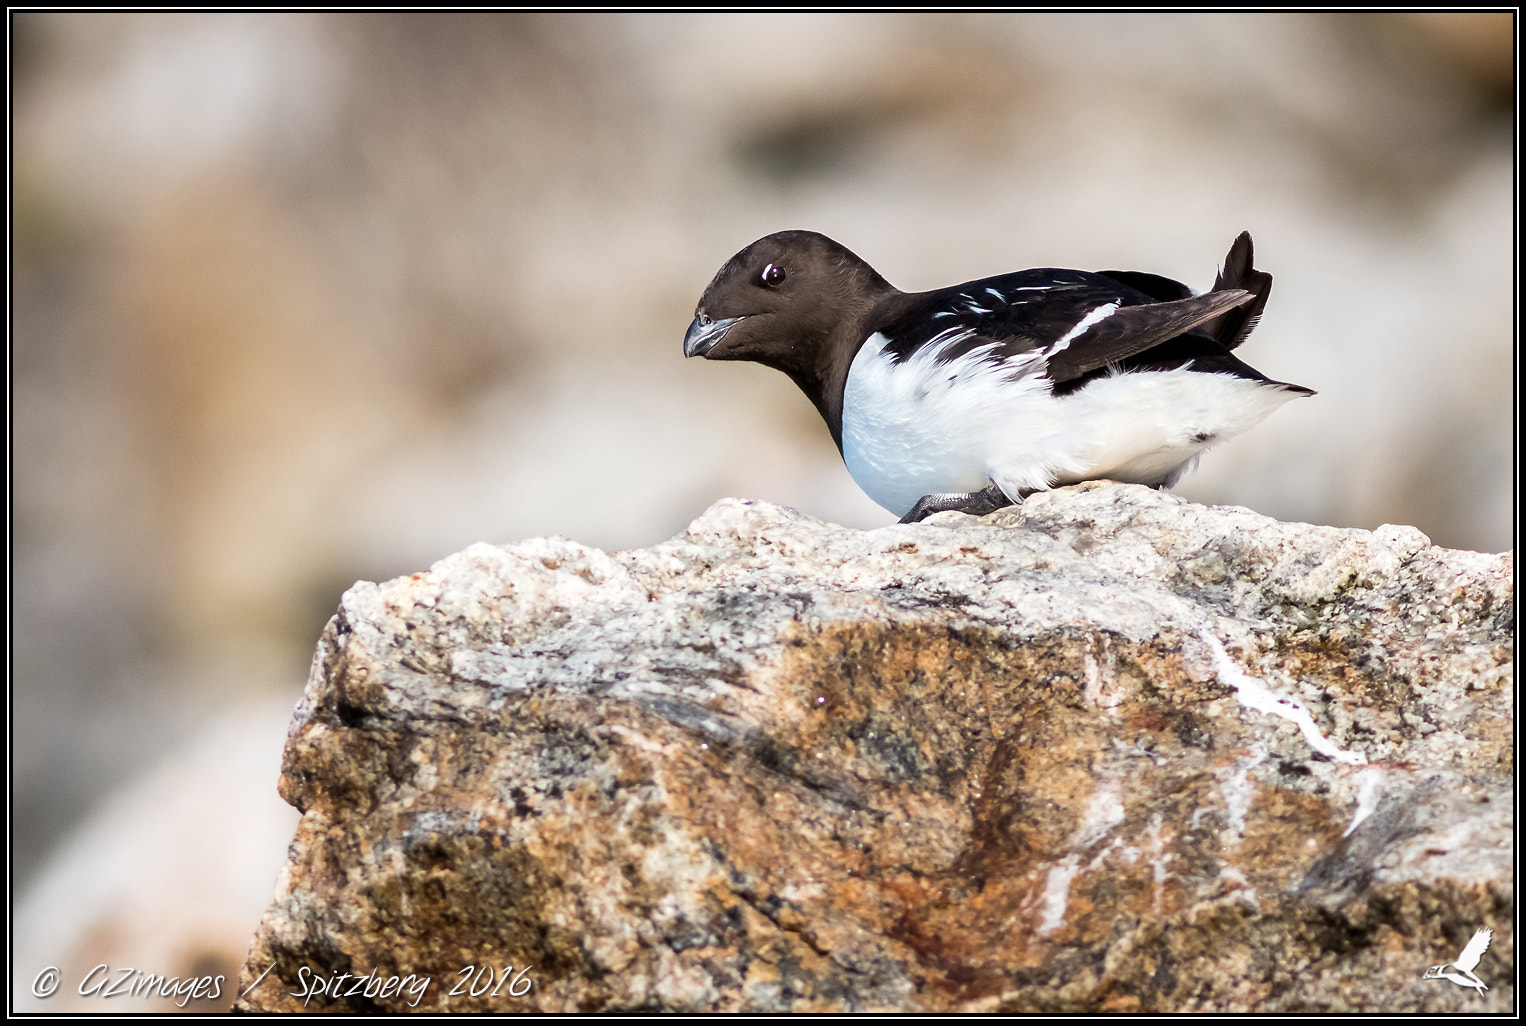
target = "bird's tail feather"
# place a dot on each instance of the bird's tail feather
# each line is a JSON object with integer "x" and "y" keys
{"x": 1232, "y": 327}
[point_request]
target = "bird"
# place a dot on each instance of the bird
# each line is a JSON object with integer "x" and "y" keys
{"x": 1465, "y": 964}
{"x": 974, "y": 396}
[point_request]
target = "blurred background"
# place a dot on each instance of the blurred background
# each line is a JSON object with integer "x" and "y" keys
{"x": 301, "y": 299}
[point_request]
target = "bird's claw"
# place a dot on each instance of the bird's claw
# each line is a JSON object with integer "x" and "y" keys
{"x": 977, "y": 504}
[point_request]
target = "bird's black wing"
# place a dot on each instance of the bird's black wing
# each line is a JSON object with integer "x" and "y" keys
{"x": 1077, "y": 321}
{"x": 1158, "y": 288}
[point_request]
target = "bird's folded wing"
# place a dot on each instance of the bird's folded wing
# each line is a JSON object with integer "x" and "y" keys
{"x": 1074, "y": 320}
{"x": 1134, "y": 329}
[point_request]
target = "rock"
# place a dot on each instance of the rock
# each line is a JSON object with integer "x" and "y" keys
{"x": 1104, "y": 751}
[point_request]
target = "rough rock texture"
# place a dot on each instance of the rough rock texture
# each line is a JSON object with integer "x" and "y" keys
{"x": 1107, "y": 750}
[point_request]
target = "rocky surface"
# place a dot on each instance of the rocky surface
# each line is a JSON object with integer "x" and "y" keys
{"x": 1105, "y": 751}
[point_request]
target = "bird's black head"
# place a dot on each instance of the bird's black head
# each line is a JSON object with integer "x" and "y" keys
{"x": 780, "y": 299}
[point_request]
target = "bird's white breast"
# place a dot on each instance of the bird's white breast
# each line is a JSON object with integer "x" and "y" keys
{"x": 922, "y": 427}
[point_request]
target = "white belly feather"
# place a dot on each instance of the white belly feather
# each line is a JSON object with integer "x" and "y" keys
{"x": 921, "y": 427}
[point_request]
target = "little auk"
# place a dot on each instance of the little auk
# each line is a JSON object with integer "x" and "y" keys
{"x": 974, "y": 396}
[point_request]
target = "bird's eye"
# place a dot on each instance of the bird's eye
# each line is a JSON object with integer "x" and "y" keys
{"x": 773, "y": 276}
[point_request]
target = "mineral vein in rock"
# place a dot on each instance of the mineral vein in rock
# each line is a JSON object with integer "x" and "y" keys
{"x": 1253, "y": 693}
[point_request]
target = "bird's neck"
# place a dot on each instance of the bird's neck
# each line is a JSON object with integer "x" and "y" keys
{"x": 820, "y": 360}
{"x": 824, "y": 377}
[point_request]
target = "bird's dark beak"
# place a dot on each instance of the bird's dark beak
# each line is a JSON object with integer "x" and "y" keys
{"x": 704, "y": 334}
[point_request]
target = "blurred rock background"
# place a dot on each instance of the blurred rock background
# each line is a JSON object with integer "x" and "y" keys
{"x": 300, "y": 299}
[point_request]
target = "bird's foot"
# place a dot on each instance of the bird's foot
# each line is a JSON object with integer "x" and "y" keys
{"x": 977, "y": 504}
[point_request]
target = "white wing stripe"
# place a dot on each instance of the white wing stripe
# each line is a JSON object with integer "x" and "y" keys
{"x": 1100, "y": 313}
